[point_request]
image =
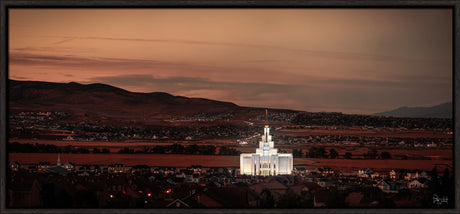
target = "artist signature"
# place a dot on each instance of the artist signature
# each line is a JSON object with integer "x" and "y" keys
{"x": 440, "y": 200}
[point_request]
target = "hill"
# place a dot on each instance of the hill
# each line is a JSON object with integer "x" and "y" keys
{"x": 438, "y": 111}
{"x": 101, "y": 101}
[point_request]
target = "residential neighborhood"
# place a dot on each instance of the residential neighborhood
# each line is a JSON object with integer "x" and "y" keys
{"x": 117, "y": 185}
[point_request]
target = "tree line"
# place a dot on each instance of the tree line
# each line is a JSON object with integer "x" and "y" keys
{"x": 176, "y": 148}
{"x": 321, "y": 152}
{"x": 16, "y": 147}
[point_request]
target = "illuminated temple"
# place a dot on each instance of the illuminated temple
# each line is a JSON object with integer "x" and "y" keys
{"x": 266, "y": 161}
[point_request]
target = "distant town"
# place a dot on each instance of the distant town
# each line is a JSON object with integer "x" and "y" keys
{"x": 321, "y": 144}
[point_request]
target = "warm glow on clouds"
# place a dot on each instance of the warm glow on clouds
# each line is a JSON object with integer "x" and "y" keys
{"x": 348, "y": 60}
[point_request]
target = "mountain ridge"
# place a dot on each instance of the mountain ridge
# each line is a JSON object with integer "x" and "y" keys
{"x": 443, "y": 110}
{"x": 106, "y": 100}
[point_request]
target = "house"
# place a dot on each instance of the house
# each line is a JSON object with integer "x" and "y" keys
{"x": 165, "y": 170}
{"x": 178, "y": 203}
{"x": 184, "y": 195}
{"x": 393, "y": 174}
{"x": 140, "y": 169}
{"x": 116, "y": 168}
{"x": 302, "y": 188}
{"x": 218, "y": 171}
{"x": 384, "y": 186}
{"x": 398, "y": 174}
{"x": 417, "y": 184}
{"x": 58, "y": 170}
{"x": 43, "y": 165}
{"x": 188, "y": 175}
{"x": 411, "y": 174}
{"x": 423, "y": 174}
{"x": 32, "y": 169}
{"x": 197, "y": 169}
{"x": 324, "y": 183}
{"x": 320, "y": 199}
{"x": 300, "y": 170}
{"x": 15, "y": 166}
{"x": 365, "y": 173}
{"x": 368, "y": 173}
{"x": 275, "y": 186}
{"x": 25, "y": 192}
{"x": 229, "y": 197}
{"x": 89, "y": 169}
{"x": 69, "y": 166}
{"x": 405, "y": 174}
{"x": 389, "y": 186}
{"x": 326, "y": 171}
{"x": 354, "y": 199}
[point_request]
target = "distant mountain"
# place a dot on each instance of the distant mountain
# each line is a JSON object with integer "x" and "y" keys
{"x": 100, "y": 100}
{"x": 438, "y": 111}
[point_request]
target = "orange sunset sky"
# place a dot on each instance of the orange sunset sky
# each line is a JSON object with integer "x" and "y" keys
{"x": 359, "y": 61}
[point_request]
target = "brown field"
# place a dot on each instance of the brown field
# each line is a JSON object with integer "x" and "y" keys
{"x": 211, "y": 161}
{"x": 434, "y": 153}
{"x": 128, "y": 159}
{"x": 344, "y": 164}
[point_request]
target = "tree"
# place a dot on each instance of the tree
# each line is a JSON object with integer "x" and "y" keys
{"x": 315, "y": 152}
{"x": 385, "y": 155}
{"x": 126, "y": 150}
{"x": 289, "y": 200}
{"x": 228, "y": 151}
{"x": 372, "y": 154}
{"x": 447, "y": 184}
{"x": 159, "y": 149}
{"x": 348, "y": 155}
{"x": 207, "y": 150}
{"x": 67, "y": 149}
{"x": 321, "y": 152}
{"x": 335, "y": 199}
{"x": 435, "y": 184}
{"x": 83, "y": 150}
{"x": 176, "y": 149}
{"x": 312, "y": 152}
{"x": 333, "y": 153}
{"x": 297, "y": 153}
{"x": 267, "y": 197}
{"x": 192, "y": 149}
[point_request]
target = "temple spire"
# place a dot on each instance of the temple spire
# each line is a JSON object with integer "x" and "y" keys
{"x": 266, "y": 116}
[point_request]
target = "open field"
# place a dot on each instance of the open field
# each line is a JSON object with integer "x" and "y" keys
{"x": 213, "y": 160}
{"x": 434, "y": 153}
{"x": 345, "y": 164}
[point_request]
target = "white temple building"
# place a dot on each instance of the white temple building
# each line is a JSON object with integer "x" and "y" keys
{"x": 266, "y": 161}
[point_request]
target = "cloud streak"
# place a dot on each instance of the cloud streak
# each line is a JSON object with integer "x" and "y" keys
{"x": 315, "y": 53}
{"x": 24, "y": 58}
{"x": 182, "y": 84}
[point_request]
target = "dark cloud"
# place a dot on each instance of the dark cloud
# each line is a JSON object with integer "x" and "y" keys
{"x": 18, "y": 78}
{"x": 353, "y": 96}
{"x": 22, "y": 58}
{"x": 250, "y": 90}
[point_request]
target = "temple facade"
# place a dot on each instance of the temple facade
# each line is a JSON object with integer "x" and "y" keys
{"x": 266, "y": 161}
